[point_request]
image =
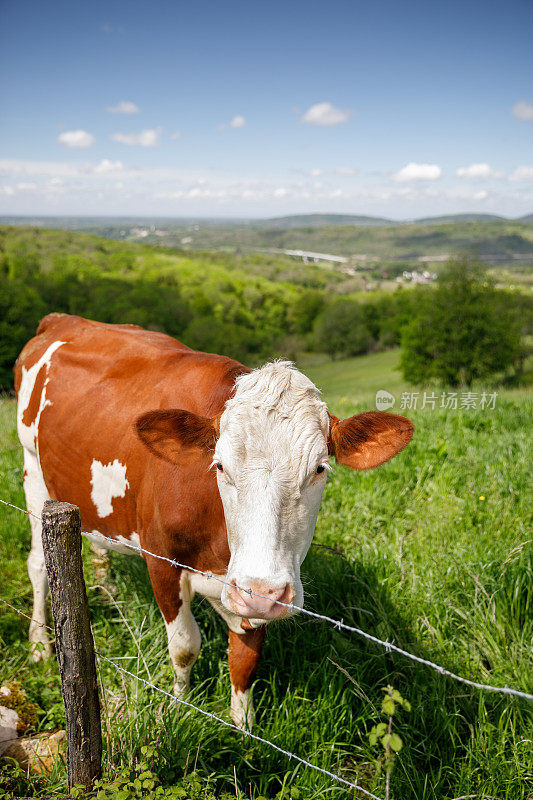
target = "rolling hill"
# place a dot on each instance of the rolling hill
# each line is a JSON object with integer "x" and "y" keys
{"x": 363, "y": 239}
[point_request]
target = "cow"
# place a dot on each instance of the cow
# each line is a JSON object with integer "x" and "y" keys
{"x": 191, "y": 456}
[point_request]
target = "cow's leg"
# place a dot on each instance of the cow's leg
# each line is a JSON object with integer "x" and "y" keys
{"x": 184, "y": 642}
{"x": 36, "y": 495}
{"x": 100, "y": 562}
{"x": 173, "y": 594}
{"x": 244, "y": 655}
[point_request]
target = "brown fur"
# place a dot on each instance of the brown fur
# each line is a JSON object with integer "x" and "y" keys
{"x": 101, "y": 382}
{"x": 170, "y": 434}
{"x": 244, "y": 656}
{"x": 30, "y": 414}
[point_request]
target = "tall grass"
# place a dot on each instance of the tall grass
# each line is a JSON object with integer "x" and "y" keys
{"x": 431, "y": 551}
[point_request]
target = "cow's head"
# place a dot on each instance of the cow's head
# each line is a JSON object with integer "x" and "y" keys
{"x": 269, "y": 449}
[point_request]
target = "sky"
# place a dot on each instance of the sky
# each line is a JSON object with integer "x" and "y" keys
{"x": 248, "y": 109}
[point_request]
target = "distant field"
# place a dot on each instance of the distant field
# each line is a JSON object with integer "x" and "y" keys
{"x": 355, "y": 381}
{"x": 402, "y": 242}
{"x": 433, "y": 553}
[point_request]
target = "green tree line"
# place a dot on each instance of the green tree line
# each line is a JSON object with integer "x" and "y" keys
{"x": 212, "y": 302}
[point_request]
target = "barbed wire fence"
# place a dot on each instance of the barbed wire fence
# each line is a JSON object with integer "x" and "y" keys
{"x": 210, "y": 715}
{"x": 337, "y": 624}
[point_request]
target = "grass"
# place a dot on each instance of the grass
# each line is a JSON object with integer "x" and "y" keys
{"x": 432, "y": 551}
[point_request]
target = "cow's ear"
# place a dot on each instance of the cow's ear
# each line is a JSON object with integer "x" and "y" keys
{"x": 368, "y": 440}
{"x": 173, "y": 434}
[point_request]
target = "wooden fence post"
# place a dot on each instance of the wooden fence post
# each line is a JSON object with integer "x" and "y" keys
{"x": 74, "y": 641}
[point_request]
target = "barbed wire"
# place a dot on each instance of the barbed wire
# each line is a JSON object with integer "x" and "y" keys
{"x": 22, "y": 614}
{"x": 338, "y": 624}
{"x": 24, "y": 510}
{"x": 249, "y": 734}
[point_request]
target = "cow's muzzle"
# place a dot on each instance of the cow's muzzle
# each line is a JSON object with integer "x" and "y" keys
{"x": 260, "y": 601}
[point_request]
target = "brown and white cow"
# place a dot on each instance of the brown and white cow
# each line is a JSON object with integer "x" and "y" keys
{"x": 194, "y": 457}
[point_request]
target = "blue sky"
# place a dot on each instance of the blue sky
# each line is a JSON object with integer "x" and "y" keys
{"x": 255, "y": 109}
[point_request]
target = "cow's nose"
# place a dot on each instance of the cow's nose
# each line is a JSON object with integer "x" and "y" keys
{"x": 259, "y": 600}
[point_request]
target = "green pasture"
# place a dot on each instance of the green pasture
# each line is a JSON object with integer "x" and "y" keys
{"x": 431, "y": 551}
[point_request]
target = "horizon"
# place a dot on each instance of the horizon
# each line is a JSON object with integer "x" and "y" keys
{"x": 237, "y": 112}
{"x": 239, "y": 218}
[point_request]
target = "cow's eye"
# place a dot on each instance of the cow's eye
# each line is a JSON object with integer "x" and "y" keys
{"x": 220, "y": 467}
{"x": 320, "y": 469}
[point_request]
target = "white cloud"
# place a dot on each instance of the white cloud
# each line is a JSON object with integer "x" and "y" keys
{"x": 418, "y": 172}
{"x": 76, "y": 139}
{"x": 16, "y": 166}
{"x": 59, "y": 169}
{"x": 325, "y": 114}
{"x": 236, "y": 122}
{"x": 147, "y": 138}
{"x": 175, "y": 135}
{"x": 346, "y": 171}
{"x": 105, "y": 166}
{"x": 124, "y": 107}
{"x": 522, "y": 174}
{"x": 461, "y": 193}
{"x": 481, "y": 171}
{"x": 315, "y": 173}
{"x": 523, "y": 111}
{"x": 110, "y": 186}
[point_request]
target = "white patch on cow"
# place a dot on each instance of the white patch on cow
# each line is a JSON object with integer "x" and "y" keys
{"x": 184, "y": 639}
{"x": 28, "y": 433}
{"x": 207, "y": 587}
{"x": 108, "y": 481}
{"x": 273, "y": 435}
{"x": 242, "y": 708}
{"x": 119, "y": 544}
{"x": 36, "y": 496}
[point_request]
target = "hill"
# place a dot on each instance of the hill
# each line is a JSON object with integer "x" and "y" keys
{"x": 443, "y": 220}
{"x": 319, "y": 220}
{"x": 497, "y": 241}
{"x": 366, "y": 241}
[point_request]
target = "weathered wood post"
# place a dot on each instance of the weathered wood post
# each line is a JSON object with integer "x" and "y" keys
{"x": 74, "y": 641}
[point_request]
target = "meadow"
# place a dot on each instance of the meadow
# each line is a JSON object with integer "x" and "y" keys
{"x": 432, "y": 551}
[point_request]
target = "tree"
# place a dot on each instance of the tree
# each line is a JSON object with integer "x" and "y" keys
{"x": 341, "y": 329}
{"x": 306, "y": 309}
{"x": 463, "y": 330}
{"x": 21, "y": 308}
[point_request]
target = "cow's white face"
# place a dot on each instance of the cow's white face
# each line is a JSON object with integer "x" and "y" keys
{"x": 271, "y": 460}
